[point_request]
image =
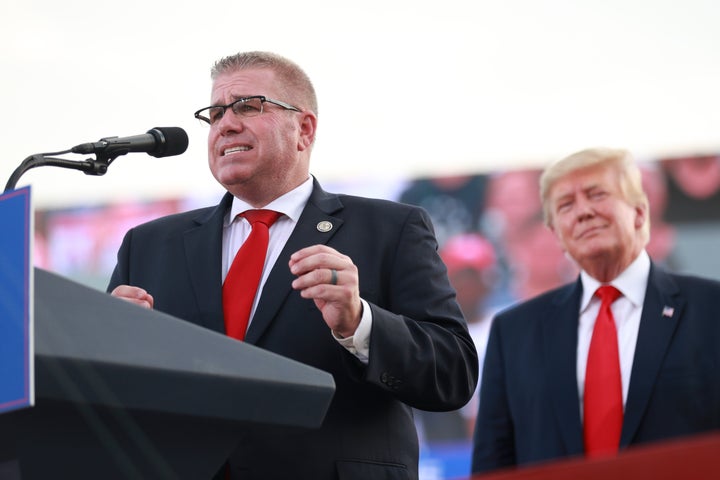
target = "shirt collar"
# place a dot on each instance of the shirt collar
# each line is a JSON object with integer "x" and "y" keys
{"x": 632, "y": 282}
{"x": 290, "y": 204}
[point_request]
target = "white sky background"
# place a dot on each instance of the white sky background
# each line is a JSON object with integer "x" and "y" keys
{"x": 406, "y": 87}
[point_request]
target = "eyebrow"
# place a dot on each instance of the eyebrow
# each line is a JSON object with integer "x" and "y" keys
{"x": 594, "y": 186}
{"x": 234, "y": 98}
{"x": 563, "y": 198}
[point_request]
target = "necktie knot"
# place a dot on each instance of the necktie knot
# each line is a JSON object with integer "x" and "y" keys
{"x": 608, "y": 294}
{"x": 267, "y": 217}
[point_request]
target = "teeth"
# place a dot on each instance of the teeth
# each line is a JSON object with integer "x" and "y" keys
{"x": 236, "y": 149}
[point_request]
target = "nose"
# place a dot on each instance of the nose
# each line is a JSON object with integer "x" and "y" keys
{"x": 584, "y": 209}
{"x": 229, "y": 123}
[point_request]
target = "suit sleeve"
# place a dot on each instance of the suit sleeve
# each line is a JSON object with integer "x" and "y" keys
{"x": 494, "y": 438}
{"x": 120, "y": 272}
{"x": 420, "y": 348}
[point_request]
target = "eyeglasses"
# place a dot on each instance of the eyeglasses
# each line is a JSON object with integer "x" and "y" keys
{"x": 242, "y": 107}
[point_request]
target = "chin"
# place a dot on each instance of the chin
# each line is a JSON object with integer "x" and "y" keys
{"x": 592, "y": 249}
{"x": 232, "y": 174}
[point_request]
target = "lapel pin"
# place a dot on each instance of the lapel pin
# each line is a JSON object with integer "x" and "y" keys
{"x": 324, "y": 226}
{"x": 668, "y": 311}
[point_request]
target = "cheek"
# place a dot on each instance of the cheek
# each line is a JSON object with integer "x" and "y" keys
{"x": 210, "y": 156}
{"x": 563, "y": 235}
{"x": 210, "y": 142}
{"x": 212, "y": 159}
{"x": 562, "y": 226}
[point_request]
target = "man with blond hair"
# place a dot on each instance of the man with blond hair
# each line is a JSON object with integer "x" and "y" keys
{"x": 627, "y": 354}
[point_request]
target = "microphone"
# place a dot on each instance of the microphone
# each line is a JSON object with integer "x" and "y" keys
{"x": 158, "y": 142}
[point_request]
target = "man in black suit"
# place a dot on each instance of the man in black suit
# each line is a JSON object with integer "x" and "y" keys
{"x": 350, "y": 285}
{"x": 535, "y": 397}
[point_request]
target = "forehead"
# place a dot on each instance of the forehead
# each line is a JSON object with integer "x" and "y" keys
{"x": 234, "y": 84}
{"x": 584, "y": 179}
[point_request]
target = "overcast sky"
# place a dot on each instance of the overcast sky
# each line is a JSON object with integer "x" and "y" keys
{"x": 406, "y": 87}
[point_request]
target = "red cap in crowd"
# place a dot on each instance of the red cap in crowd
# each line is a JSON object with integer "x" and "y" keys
{"x": 468, "y": 250}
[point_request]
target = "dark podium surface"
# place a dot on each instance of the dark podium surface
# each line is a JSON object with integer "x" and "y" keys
{"x": 126, "y": 392}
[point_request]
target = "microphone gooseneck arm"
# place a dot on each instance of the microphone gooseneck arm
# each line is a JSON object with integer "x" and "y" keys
{"x": 98, "y": 166}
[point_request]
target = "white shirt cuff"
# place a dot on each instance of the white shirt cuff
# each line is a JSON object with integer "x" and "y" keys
{"x": 359, "y": 343}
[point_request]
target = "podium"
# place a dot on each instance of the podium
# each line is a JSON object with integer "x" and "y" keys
{"x": 124, "y": 392}
{"x": 695, "y": 457}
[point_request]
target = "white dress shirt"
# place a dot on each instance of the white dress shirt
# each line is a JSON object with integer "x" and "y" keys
{"x": 626, "y": 310}
{"x": 237, "y": 229}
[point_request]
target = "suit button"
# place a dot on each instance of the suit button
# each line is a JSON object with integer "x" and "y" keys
{"x": 390, "y": 380}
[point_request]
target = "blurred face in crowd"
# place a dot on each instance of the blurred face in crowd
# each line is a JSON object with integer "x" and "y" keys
{"x": 471, "y": 290}
{"x": 699, "y": 177}
{"x": 594, "y": 222}
{"x": 261, "y": 157}
{"x": 538, "y": 263}
{"x": 514, "y": 194}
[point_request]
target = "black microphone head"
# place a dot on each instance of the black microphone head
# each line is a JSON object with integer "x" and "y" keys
{"x": 169, "y": 141}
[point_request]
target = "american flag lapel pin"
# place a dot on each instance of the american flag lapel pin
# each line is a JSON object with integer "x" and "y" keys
{"x": 668, "y": 311}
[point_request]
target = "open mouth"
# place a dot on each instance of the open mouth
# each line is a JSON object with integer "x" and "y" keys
{"x": 242, "y": 148}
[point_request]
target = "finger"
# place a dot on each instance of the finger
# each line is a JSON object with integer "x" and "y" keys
{"x": 128, "y": 291}
{"x": 317, "y": 262}
{"x": 312, "y": 278}
{"x": 311, "y": 256}
{"x": 135, "y": 295}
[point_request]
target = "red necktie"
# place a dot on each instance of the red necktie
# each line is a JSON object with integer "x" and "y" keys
{"x": 243, "y": 278}
{"x": 603, "y": 405}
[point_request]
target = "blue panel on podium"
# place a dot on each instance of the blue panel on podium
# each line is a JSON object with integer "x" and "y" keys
{"x": 16, "y": 355}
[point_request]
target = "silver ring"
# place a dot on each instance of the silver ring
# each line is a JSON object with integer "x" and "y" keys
{"x": 333, "y": 276}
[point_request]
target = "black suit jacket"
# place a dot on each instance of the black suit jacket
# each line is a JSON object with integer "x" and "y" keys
{"x": 421, "y": 354}
{"x": 529, "y": 407}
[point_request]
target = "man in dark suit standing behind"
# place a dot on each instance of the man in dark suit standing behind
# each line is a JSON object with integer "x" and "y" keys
{"x": 557, "y": 382}
{"x": 350, "y": 285}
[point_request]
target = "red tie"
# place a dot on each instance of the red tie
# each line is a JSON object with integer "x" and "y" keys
{"x": 243, "y": 278}
{"x": 603, "y": 405}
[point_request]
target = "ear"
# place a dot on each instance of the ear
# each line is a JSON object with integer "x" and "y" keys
{"x": 308, "y": 127}
{"x": 641, "y": 215}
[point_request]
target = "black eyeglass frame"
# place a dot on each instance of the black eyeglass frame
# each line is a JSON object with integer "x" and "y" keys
{"x": 263, "y": 99}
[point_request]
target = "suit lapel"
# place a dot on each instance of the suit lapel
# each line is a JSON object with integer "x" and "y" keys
{"x": 309, "y": 231}
{"x": 560, "y": 338}
{"x": 660, "y": 316}
{"x": 203, "y": 255}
